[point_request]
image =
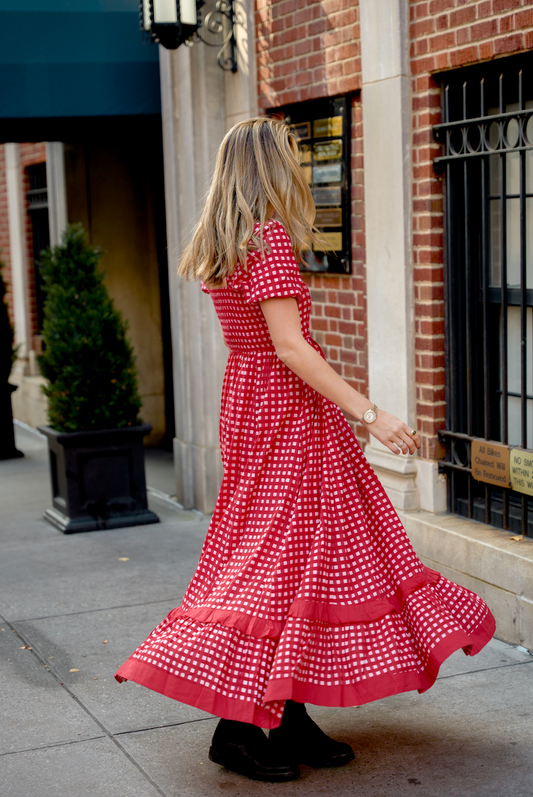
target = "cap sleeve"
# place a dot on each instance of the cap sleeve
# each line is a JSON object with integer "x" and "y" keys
{"x": 204, "y": 288}
{"x": 277, "y": 273}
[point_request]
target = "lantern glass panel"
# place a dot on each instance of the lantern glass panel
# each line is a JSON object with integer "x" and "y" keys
{"x": 165, "y": 11}
{"x": 188, "y": 12}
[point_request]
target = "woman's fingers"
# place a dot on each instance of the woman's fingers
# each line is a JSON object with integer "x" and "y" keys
{"x": 396, "y": 435}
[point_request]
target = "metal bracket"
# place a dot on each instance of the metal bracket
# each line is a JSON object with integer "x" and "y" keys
{"x": 221, "y": 21}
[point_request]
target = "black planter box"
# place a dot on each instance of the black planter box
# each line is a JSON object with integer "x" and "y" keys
{"x": 98, "y": 479}
{"x": 7, "y": 433}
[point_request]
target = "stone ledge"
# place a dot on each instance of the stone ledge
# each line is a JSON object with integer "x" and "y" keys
{"x": 483, "y": 559}
{"x": 397, "y": 475}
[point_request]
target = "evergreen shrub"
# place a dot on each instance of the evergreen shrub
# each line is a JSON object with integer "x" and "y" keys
{"x": 8, "y": 353}
{"x": 87, "y": 358}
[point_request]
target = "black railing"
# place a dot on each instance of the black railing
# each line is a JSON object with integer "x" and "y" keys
{"x": 487, "y": 134}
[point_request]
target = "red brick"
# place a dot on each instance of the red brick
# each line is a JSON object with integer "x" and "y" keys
{"x": 486, "y": 50}
{"x": 464, "y": 56}
{"x": 422, "y": 28}
{"x": 528, "y": 41}
{"x": 429, "y": 310}
{"x": 432, "y": 327}
{"x": 504, "y": 5}
{"x": 436, "y": 6}
{"x": 484, "y": 9}
{"x": 423, "y": 65}
{"x": 508, "y": 44}
{"x": 442, "y": 42}
{"x": 484, "y": 30}
{"x": 463, "y": 15}
{"x": 463, "y": 36}
{"x": 507, "y": 24}
{"x": 442, "y": 61}
{"x": 524, "y": 19}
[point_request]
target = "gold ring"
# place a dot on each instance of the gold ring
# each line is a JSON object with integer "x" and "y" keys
{"x": 414, "y": 433}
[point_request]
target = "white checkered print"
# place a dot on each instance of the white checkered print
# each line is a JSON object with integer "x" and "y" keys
{"x": 307, "y": 586}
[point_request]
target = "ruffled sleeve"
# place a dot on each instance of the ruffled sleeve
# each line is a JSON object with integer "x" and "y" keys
{"x": 276, "y": 274}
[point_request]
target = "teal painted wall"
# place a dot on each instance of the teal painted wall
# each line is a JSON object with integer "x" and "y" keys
{"x": 75, "y": 58}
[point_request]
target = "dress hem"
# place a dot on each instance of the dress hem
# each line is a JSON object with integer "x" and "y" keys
{"x": 364, "y": 691}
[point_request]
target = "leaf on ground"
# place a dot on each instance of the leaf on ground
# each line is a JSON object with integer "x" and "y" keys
{"x": 105, "y": 641}
{"x": 123, "y": 558}
{"x": 74, "y": 670}
{"x": 518, "y": 538}
{"x": 25, "y": 647}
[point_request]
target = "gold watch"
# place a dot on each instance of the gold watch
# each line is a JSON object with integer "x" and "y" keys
{"x": 370, "y": 415}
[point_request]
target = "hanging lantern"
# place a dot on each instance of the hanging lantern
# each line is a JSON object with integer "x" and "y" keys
{"x": 170, "y": 22}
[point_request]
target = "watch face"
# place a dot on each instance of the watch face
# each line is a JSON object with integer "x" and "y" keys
{"x": 369, "y": 416}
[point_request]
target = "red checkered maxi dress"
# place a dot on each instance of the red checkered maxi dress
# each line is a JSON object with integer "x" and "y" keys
{"x": 307, "y": 586}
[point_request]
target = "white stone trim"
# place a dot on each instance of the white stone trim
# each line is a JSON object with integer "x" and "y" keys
{"x": 17, "y": 246}
{"x": 387, "y": 157}
{"x": 199, "y": 103}
{"x": 57, "y": 190}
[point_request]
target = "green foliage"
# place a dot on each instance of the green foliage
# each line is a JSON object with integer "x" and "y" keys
{"x": 8, "y": 353}
{"x": 87, "y": 358}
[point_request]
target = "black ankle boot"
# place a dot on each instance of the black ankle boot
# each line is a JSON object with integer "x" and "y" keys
{"x": 301, "y": 738}
{"x": 244, "y": 748}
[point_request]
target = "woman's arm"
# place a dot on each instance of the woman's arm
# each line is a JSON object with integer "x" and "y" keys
{"x": 283, "y": 320}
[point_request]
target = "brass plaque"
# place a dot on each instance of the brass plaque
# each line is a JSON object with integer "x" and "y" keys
{"x": 522, "y": 470}
{"x": 328, "y": 217}
{"x": 334, "y": 242}
{"x": 490, "y": 463}
{"x": 327, "y": 196}
{"x": 328, "y": 173}
{"x": 328, "y": 150}
{"x": 301, "y": 130}
{"x": 328, "y": 128}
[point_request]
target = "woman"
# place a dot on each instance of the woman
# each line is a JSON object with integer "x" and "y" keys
{"x": 307, "y": 589}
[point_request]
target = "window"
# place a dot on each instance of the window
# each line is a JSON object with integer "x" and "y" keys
{"x": 323, "y": 131}
{"x": 37, "y": 198}
{"x": 487, "y": 132}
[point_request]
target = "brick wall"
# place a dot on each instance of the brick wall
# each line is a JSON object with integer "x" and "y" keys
{"x": 444, "y": 34}
{"x": 30, "y": 154}
{"x": 307, "y": 50}
{"x": 4, "y": 229}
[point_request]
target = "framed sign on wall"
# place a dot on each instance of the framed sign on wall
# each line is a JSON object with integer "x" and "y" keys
{"x": 322, "y": 128}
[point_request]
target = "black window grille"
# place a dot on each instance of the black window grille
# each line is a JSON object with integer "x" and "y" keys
{"x": 487, "y": 133}
{"x": 323, "y": 129}
{"x": 37, "y": 198}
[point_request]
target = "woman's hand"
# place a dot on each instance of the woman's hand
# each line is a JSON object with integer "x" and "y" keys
{"x": 394, "y": 433}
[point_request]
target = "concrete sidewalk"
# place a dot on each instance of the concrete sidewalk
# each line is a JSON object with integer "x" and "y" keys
{"x": 74, "y": 607}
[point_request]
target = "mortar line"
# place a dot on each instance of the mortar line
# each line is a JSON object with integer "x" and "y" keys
{"x": 91, "y": 611}
{"x": 106, "y": 732}
{"x": 484, "y": 669}
{"x": 52, "y": 744}
{"x": 165, "y": 725}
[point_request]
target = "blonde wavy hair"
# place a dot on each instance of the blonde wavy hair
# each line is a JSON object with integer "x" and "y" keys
{"x": 257, "y": 178}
